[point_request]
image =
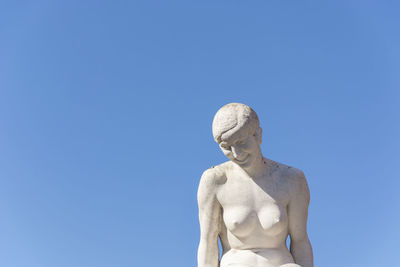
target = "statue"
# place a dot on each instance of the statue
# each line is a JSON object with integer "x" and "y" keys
{"x": 251, "y": 203}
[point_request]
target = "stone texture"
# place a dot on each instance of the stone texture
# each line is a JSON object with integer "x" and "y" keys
{"x": 251, "y": 203}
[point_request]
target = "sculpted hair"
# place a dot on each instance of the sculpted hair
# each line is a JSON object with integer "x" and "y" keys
{"x": 233, "y": 117}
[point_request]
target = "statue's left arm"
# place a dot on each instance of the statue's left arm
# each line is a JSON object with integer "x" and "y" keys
{"x": 300, "y": 246}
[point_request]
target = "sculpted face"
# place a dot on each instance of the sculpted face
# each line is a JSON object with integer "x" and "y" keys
{"x": 242, "y": 148}
{"x": 236, "y": 130}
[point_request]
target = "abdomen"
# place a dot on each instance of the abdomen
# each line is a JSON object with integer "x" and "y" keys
{"x": 256, "y": 258}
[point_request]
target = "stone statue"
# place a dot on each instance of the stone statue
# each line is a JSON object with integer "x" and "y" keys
{"x": 251, "y": 203}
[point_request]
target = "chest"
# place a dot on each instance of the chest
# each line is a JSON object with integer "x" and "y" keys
{"x": 249, "y": 204}
{"x": 254, "y": 194}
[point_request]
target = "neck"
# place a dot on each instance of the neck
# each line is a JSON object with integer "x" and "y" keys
{"x": 257, "y": 168}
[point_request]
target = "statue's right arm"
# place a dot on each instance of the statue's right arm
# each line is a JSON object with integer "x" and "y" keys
{"x": 209, "y": 216}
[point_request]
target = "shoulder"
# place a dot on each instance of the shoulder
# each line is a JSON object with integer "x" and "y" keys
{"x": 289, "y": 172}
{"x": 216, "y": 175}
{"x": 210, "y": 181}
{"x": 294, "y": 177}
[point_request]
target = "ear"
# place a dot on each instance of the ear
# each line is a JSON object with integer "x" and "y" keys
{"x": 259, "y": 135}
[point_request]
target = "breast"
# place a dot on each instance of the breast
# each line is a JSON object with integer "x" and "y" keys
{"x": 242, "y": 221}
{"x": 272, "y": 219}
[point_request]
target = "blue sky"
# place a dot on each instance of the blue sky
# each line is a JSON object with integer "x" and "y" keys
{"x": 106, "y": 111}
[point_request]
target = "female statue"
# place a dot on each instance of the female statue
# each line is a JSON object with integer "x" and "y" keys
{"x": 251, "y": 203}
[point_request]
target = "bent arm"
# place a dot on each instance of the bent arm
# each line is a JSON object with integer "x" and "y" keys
{"x": 209, "y": 215}
{"x": 300, "y": 246}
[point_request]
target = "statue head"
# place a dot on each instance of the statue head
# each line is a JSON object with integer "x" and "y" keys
{"x": 236, "y": 129}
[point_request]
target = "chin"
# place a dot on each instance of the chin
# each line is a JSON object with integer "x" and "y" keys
{"x": 244, "y": 164}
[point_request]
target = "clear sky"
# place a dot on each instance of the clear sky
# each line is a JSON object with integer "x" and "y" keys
{"x": 106, "y": 111}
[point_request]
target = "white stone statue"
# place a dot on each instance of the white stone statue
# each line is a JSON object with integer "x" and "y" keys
{"x": 251, "y": 203}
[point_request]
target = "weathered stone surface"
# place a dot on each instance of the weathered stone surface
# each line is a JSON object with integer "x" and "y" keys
{"x": 251, "y": 203}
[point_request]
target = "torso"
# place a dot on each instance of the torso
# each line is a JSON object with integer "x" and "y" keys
{"x": 254, "y": 216}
